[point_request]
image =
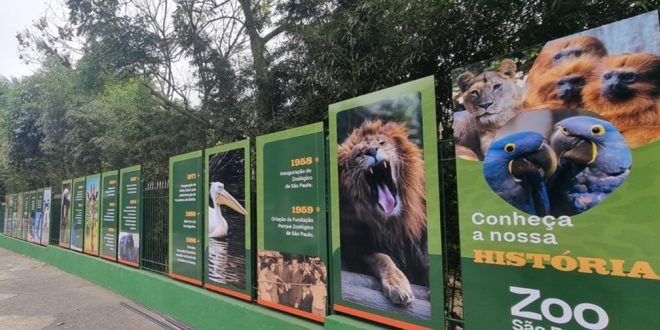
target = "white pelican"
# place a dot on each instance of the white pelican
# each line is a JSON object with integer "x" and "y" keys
{"x": 217, "y": 224}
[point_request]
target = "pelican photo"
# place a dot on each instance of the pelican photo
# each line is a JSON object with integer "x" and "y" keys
{"x": 226, "y": 218}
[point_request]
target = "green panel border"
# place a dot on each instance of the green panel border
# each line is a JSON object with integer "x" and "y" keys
{"x": 32, "y": 194}
{"x": 134, "y": 168}
{"x": 102, "y": 227}
{"x": 260, "y": 143}
{"x": 21, "y": 216}
{"x": 249, "y": 258}
{"x": 39, "y": 206}
{"x": 170, "y": 206}
{"x": 426, "y": 87}
{"x": 74, "y": 190}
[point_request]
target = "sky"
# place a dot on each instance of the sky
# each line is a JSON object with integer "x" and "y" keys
{"x": 16, "y": 15}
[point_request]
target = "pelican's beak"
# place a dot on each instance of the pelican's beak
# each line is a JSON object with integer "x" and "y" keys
{"x": 224, "y": 198}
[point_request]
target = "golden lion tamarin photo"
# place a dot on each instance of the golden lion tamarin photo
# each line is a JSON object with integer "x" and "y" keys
{"x": 556, "y": 53}
{"x": 625, "y": 90}
{"x": 561, "y": 87}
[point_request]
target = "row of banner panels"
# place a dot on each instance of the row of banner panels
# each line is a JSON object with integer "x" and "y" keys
{"x": 375, "y": 171}
{"x": 101, "y": 215}
{"x": 557, "y": 227}
{"x": 210, "y": 223}
{"x": 27, "y": 215}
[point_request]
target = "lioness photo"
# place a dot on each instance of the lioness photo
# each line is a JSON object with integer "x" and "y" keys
{"x": 382, "y": 205}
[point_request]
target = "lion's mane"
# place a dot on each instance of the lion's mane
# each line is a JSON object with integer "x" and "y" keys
{"x": 365, "y": 229}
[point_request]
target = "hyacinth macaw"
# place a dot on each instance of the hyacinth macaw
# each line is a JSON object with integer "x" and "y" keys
{"x": 594, "y": 160}
{"x": 517, "y": 166}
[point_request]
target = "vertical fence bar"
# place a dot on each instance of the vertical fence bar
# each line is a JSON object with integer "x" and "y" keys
{"x": 55, "y": 210}
{"x": 155, "y": 230}
{"x": 3, "y": 209}
{"x": 451, "y": 239}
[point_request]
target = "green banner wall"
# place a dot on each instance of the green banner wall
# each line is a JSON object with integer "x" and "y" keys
{"x": 385, "y": 206}
{"x": 44, "y": 223}
{"x": 25, "y": 222}
{"x": 65, "y": 214}
{"x": 559, "y": 223}
{"x": 291, "y": 221}
{"x": 24, "y": 205}
{"x": 6, "y": 230}
{"x": 186, "y": 216}
{"x": 10, "y": 222}
{"x": 130, "y": 216}
{"x": 92, "y": 214}
{"x": 227, "y": 244}
{"x": 16, "y": 216}
{"x": 5, "y": 227}
{"x": 78, "y": 214}
{"x": 109, "y": 214}
{"x": 38, "y": 215}
{"x": 31, "y": 230}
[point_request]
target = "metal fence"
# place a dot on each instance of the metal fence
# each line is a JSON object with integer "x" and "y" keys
{"x": 450, "y": 239}
{"x": 3, "y": 216}
{"x": 55, "y": 210}
{"x": 155, "y": 226}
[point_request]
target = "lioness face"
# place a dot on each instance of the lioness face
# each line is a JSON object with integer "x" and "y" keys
{"x": 373, "y": 172}
{"x": 490, "y": 96}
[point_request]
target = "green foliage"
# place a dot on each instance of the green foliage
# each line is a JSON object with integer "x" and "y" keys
{"x": 118, "y": 105}
{"x": 56, "y": 129}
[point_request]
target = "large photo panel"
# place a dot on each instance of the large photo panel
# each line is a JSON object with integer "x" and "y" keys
{"x": 92, "y": 214}
{"x": 65, "y": 214}
{"x": 38, "y": 216}
{"x": 44, "y": 223}
{"x": 557, "y": 151}
{"x": 32, "y": 218}
{"x": 386, "y": 247}
{"x": 7, "y": 229}
{"x": 227, "y": 237}
{"x": 292, "y": 250}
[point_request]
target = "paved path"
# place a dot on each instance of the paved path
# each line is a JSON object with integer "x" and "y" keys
{"x": 34, "y": 295}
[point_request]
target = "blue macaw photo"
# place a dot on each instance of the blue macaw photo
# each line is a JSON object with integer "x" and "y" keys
{"x": 517, "y": 167}
{"x": 566, "y": 171}
{"x": 594, "y": 160}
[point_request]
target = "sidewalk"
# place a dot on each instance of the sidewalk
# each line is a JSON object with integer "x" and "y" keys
{"x": 34, "y": 295}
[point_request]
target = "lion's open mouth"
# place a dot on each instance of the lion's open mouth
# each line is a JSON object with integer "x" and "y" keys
{"x": 379, "y": 177}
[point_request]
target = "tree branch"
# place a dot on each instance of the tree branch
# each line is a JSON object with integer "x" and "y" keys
{"x": 273, "y": 33}
{"x": 171, "y": 105}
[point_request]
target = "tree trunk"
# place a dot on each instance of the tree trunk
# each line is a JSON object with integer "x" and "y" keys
{"x": 263, "y": 80}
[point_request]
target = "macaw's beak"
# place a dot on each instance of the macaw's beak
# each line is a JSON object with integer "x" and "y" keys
{"x": 542, "y": 161}
{"x": 573, "y": 148}
{"x": 224, "y": 198}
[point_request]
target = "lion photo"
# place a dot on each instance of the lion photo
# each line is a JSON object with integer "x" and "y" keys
{"x": 382, "y": 204}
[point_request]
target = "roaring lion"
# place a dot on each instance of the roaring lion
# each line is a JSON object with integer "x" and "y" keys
{"x": 491, "y": 99}
{"x": 383, "y": 208}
